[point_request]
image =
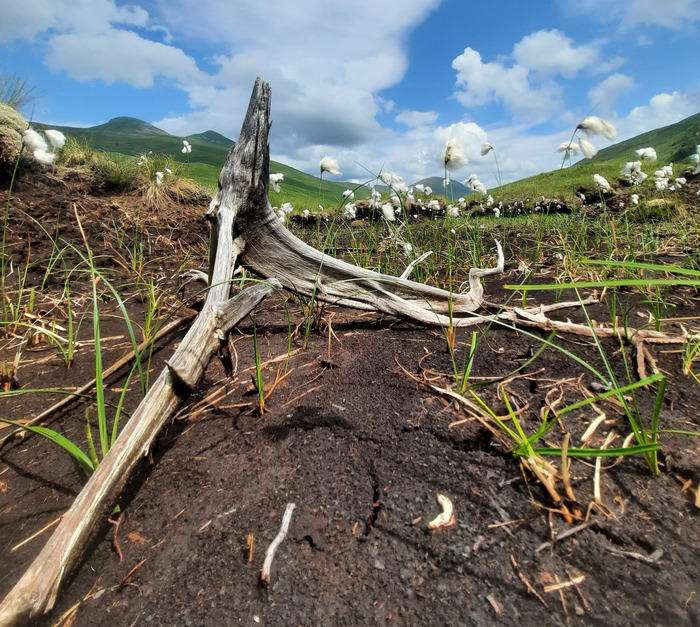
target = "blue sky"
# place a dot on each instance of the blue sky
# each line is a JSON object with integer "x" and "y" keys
{"x": 377, "y": 84}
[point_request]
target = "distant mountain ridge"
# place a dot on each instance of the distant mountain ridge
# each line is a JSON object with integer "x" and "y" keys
{"x": 436, "y": 183}
{"x": 121, "y": 125}
{"x": 131, "y": 136}
{"x": 213, "y": 138}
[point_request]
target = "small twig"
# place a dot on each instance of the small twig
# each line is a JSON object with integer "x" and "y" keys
{"x": 270, "y": 553}
{"x": 564, "y": 534}
{"x": 588, "y": 434}
{"x": 494, "y": 604}
{"x": 598, "y": 465}
{"x": 523, "y": 578}
{"x": 131, "y": 572}
{"x": 652, "y": 558}
{"x": 414, "y": 263}
{"x": 250, "y": 540}
{"x": 560, "y": 585}
{"x": 34, "y": 535}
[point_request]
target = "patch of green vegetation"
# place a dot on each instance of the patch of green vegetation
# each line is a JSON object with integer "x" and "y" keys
{"x": 673, "y": 144}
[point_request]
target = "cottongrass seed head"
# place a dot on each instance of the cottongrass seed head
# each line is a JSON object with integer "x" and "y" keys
{"x": 454, "y": 156}
{"x": 593, "y": 125}
{"x": 330, "y": 165}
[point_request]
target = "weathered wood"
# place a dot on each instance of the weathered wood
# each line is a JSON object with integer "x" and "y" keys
{"x": 245, "y": 230}
{"x": 271, "y": 250}
{"x": 240, "y": 184}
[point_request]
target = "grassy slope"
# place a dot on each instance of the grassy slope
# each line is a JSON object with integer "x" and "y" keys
{"x": 132, "y": 137}
{"x": 673, "y": 144}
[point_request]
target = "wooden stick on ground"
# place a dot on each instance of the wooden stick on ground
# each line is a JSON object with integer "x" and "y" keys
{"x": 246, "y": 231}
{"x": 274, "y": 545}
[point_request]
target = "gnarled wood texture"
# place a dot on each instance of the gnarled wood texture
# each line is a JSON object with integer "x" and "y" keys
{"x": 245, "y": 231}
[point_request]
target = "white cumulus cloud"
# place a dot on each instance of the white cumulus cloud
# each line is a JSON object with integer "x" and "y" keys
{"x": 480, "y": 83}
{"x": 119, "y": 56}
{"x": 416, "y": 119}
{"x": 27, "y": 18}
{"x": 605, "y": 93}
{"x": 662, "y": 110}
{"x": 550, "y": 52}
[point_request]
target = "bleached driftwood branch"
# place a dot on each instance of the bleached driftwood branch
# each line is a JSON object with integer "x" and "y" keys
{"x": 246, "y": 231}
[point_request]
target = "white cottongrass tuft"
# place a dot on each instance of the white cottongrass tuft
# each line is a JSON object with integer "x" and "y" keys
{"x": 428, "y": 190}
{"x": 634, "y": 199}
{"x": 348, "y": 194}
{"x": 433, "y": 204}
{"x": 632, "y": 171}
{"x": 452, "y": 211}
{"x": 665, "y": 172}
{"x": 476, "y": 185}
{"x": 57, "y": 139}
{"x": 589, "y": 150}
{"x": 570, "y": 148}
{"x": 696, "y": 159}
{"x": 486, "y": 147}
{"x": 330, "y": 165}
{"x": 37, "y": 144}
{"x": 391, "y": 179}
{"x": 601, "y": 183}
{"x": 186, "y": 148}
{"x": 647, "y": 154}
{"x": 454, "y": 156}
{"x": 593, "y": 125}
{"x": 44, "y": 156}
{"x": 159, "y": 178}
{"x": 275, "y": 180}
{"x": 34, "y": 140}
{"x": 350, "y": 211}
{"x": 388, "y": 212}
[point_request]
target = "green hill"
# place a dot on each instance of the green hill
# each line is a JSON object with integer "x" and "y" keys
{"x": 126, "y": 126}
{"x": 436, "y": 183}
{"x": 211, "y": 137}
{"x": 673, "y": 143}
{"x": 134, "y": 137}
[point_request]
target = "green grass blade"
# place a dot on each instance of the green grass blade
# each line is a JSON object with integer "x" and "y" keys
{"x": 638, "y": 449}
{"x": 59, "y": 439}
